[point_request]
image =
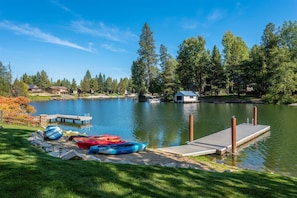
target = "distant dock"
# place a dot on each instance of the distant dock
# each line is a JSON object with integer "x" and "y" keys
{"x": 64, "y": 118}
{"x": 219, "y": 142}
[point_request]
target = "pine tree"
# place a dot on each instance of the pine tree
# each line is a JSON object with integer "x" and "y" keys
{"x": 145, "y": 65}
{"x": 168, "y": 66}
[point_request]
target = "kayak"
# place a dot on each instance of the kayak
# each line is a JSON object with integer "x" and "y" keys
{"x": 87, "y": 143}
{"x": 53, "y": 132}
{"x": 105, "y": 137}
{"x": 116, "y": 149}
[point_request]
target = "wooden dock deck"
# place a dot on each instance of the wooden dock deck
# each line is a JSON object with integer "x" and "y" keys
{"x": 219, "y": 142}
{"x": 73, "y": 118}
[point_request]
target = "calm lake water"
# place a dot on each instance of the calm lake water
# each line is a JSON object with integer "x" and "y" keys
{"x": 167, "y": 124}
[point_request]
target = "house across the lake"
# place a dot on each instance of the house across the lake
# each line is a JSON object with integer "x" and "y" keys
{"x": 34, "y": 89}
{"x": 186, "y": 97}
{"x": 57, "y": 90}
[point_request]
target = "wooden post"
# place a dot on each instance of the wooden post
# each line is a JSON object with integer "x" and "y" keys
{"x": 255, "y": 115}
{"x": 191, "y": 128}
{"x": 43, "y": 120}
{"x": 233, "y": 133}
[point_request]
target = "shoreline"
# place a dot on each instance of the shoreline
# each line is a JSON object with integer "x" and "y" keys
{"x": 68, "y": 150}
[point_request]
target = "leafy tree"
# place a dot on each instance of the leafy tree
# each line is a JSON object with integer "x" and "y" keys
{"x": 236, "y": 53}
{"x": 17, "y": 107}
{"x": 192, "y": 62}
{"x": 94, "y": 84}
{"x": 123, "y": 85}
{"x": 20, "y": 88}
{"x": 288, "y": 37}
{"x": 284, "y": 80}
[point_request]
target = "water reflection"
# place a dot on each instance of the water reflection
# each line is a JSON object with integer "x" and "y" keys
{"x": 167, "y": 124}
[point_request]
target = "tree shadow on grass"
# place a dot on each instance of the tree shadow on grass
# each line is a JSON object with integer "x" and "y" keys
{"x": 26, "y": 171}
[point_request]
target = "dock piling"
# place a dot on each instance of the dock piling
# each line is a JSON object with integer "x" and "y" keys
{"x": 191, "y": 128}
{"x": 233, "y": 135}
{"x": 255, "y": 116}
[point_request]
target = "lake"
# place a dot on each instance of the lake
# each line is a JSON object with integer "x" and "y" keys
{"x": 167, "y": 124}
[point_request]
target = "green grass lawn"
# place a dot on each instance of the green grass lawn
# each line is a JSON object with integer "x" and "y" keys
{"x": 26, "y": 171}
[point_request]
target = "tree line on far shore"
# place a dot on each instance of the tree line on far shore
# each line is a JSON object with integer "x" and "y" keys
{"x": 268, "y": 70}
{"x": 89, "y": 84}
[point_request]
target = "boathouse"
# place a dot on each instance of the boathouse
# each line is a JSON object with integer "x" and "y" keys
{"x": 186, "y": 97}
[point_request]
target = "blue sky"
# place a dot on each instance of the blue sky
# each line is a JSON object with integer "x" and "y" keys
{"x": 68, "y": 37}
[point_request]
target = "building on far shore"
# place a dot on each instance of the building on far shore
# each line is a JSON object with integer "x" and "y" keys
{"x": 186, "y": 97}
{"x": 34, "y": 89}
{"x": 57, "y": 90}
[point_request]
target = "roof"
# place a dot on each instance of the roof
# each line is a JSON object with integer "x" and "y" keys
{"x": 57, "y": 87}
{"x": 32, "y": 86}
{"x": 188, "y": 93}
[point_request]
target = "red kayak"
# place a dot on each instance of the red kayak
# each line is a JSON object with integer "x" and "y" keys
{"x": 87, "y": 143}
{"x": 96, "y": 137}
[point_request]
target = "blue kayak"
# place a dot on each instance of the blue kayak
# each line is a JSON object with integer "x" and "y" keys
{"x": 53, "y": 132}
{"x": 115, "y": 149}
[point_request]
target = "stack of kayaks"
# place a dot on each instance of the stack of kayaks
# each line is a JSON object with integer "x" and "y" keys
{"x": 53, "y": 132}
{"x": 115, "y": 149}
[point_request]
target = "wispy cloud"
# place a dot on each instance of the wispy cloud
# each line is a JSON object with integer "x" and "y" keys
{"x": 61, "y": 6}
{"x": 33, "y": 32}
{"x": 190, "y": 24}
{"x": 215, "y": 15}
{"x": 112, "y": 48}
{"x": 111, "y": 33}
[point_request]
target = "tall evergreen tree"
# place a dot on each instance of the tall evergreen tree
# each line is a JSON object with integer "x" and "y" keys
{"x": 138, "y": 78}
{"x": 73, "y": 85}
{"x": 168, "y": 66}
{"x": 101, "y": 81}
{"x": 147, "y": 62}
{"x": 5, "y": 80}
{"x": 216, "y": 76}
{"x": 85, "y": 83}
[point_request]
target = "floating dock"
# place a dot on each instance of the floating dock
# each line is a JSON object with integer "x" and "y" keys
{"x": 63, "y": 118}
{"x": 219, "y": 142}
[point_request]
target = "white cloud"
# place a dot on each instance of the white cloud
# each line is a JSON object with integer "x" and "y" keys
{"x": 111, "y": 33}
{"x": 112, "y": 48}
{"x": 61, "y": 6}
{"x": 26, "y": 29}
{"x": 215, "y": 15}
